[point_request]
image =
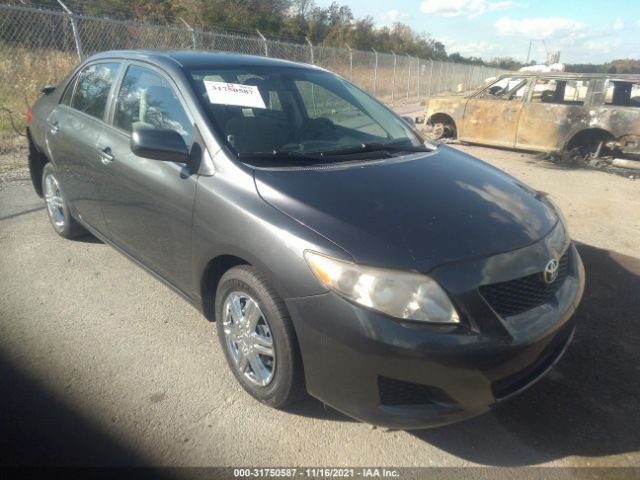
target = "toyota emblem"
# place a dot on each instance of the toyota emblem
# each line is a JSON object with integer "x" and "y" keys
{"x": 551, "y": 271}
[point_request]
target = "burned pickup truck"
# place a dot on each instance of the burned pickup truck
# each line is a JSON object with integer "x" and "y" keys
{"x": 589, "y": 113}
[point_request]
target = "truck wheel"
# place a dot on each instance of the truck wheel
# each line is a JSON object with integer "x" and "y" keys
{"x": 257, "y": 337}
{"x": 61, "y": 219}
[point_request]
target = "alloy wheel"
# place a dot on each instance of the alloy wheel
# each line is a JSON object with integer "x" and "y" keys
{"x": 248, "y": 338}
{"x": 54, "y": 201}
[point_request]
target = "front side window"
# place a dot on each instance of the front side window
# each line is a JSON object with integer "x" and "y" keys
{"x": 92, "y": 88}
{"x": 277, "y": 110}
{"x": 506, "y": 88}
{"x": 559, "y": 91}
{"x": 622, "y": 94}
{"x": 147, "y": 100}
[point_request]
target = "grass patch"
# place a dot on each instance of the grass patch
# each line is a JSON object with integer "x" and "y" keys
{"x": 24, "y": 72}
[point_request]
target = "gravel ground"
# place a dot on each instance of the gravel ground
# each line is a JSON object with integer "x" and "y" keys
{"x": 100, "y": 364}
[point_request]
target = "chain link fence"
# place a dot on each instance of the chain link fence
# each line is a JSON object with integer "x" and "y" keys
{"x": 41, "y": 46}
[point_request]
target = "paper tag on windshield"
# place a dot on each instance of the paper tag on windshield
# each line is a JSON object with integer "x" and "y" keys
{"x": 234, "y": 94}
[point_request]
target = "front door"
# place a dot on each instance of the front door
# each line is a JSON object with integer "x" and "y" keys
{"x": 491, "y": 117}
{"x": 148, "y": 203}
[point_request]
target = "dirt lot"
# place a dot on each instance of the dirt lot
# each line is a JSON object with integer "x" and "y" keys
{"x": 101, "y": 364}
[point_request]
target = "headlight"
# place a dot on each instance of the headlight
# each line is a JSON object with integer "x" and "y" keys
{"x": 405, "y": 295}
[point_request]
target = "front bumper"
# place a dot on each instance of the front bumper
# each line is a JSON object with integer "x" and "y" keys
{"x": 413, "y": 375}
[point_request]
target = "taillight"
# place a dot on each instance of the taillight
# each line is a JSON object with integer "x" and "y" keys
{"x": 28, "y": 116}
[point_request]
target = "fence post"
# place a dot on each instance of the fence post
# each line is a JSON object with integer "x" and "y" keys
{"x": 393, "y": 83}
{"x": 74, "y": 28}
{"x": 419, "y": 72}
{"x": 193, "y": 32}
{"x": 430, "y": 77}
{"x": 310, "y": 49}
{"x": 266, "y": 45}
{"x": 350, "y": 62}
{"x": 408, "y": 75}
{"x": 375, "y": 72}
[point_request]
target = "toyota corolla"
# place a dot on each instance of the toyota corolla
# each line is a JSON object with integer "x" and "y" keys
{"x": 401, "y": 282}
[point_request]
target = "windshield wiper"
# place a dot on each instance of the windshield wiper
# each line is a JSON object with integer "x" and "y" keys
{"x": 375, "y": 147}
{"x": 278, "y": 155}
{"x": 330, "y": 155}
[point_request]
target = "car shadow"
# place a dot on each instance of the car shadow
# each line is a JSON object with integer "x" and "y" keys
{"x": 39, "y": 429}
{"x": 312, "y": 408}
{"x": 589, "y": 404}
{"x": 87, "y": 238}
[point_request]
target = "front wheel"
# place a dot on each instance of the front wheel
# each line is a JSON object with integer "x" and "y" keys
{"x": 258, "y": 339}
{"x": 57, "y": 208}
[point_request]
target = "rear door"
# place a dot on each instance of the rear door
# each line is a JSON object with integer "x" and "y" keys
{"x": 148, "y": 203}
{"x": 73, "y": 131}
{"x": 555, "y": 107}
{"x": 491, "y": 116}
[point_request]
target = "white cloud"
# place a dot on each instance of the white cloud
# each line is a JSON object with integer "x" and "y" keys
{"x": 618, "y": 24}
{"x": 474, "y": 49}
{"x": 578, "y": 41}
{"x": 540, "y": 28}
{"x": 468, "y": 49}
{"x": 464, "y": 8}
{"x": 395, "y": 16}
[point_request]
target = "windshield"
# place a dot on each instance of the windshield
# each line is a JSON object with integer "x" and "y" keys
{"x": 295, "y": 113}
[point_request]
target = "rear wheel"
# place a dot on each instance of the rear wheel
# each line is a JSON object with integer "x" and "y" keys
{"x": 441, "y": 128}
{"x": 57, "y": 208}
{"x": 258, "y": 338}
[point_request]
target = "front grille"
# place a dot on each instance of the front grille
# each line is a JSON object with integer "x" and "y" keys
{"x": 524, "y": 293}
{"x": 397, "y": 392}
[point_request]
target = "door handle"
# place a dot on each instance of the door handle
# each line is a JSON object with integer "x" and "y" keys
{"x": 106, "y": 156}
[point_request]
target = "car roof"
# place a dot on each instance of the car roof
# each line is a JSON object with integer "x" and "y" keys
{"x": 569, "y": 75}
{"x": 194, "y": 59}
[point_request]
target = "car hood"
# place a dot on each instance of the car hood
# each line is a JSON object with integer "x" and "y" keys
{"x": 414, "y": 212}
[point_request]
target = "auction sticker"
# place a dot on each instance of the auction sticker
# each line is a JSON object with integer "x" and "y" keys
{"x": 234, "y": 94}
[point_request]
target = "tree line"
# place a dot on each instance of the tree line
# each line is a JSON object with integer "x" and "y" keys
{"x": 294, "y": 20}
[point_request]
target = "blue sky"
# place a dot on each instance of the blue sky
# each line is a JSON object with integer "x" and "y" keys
{"x": 585, "y": 31}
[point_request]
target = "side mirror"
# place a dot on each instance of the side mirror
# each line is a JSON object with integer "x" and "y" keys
{"x": 159, "y": 144}
{"x": 409, "y": 120}
{"x": 47, "y": 89}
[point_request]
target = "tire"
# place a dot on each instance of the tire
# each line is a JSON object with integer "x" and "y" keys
{"x": 441, "y": 130}
{"x": 57, "y": 208}
{"x": 275, "y": 380}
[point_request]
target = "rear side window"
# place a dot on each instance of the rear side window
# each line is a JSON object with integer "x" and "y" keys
{"x": 146, "y": 100}
{"x": 92, "y": 88}
{"x": 622, "y": 94}
{"x": 563, "y": 92}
